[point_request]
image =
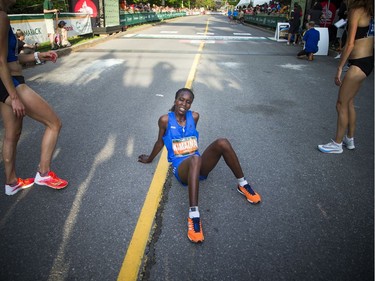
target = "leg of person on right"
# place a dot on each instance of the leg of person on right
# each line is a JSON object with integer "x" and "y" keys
{"x": 346, "y": 116}
{"x": 38, "y": 109}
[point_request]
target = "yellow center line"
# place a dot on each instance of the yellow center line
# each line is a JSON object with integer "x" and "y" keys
{"x": 134, "y": 255}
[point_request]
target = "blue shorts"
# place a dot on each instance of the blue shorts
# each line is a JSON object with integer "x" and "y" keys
{"x": 176, "y": 163}
{"x": 17, "y": 80}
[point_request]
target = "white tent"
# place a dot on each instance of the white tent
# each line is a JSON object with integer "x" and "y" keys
{"x": 243, "y": 3}
{"x": 254, "y": 2}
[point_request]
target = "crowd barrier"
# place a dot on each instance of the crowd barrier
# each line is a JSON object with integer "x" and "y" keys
{"x": 265, "y": 20}
{"x": 139, "y": 18}
{"x": 34, "y": 27}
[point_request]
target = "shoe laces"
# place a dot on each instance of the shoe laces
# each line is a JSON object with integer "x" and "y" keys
{"x": 249, "y": 189}
{"x": 196, "y": 224}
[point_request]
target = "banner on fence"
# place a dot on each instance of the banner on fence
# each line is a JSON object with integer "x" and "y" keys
{"x": 35, "y": 29}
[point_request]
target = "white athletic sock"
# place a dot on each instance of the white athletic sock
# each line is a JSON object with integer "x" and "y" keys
{"x": 194, "y": 212}
{"x": 242, "y": 181}
{"x": 338, "y": 143}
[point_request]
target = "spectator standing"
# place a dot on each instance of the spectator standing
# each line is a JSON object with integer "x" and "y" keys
{"x": 311, "y": 39}
{"x": 49, "y": 14}
{"x": 315, "y": 13}
{"x": 294, "y": 23}
{"x": 341, "y": 34}
{"x": 241, "y": 16}
{"x": 329, "y": 12}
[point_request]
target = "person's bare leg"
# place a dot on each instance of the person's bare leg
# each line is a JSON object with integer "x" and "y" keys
{"x": 289, "y": 37}
{"x": 213, "y": 153}
{"x": 13, "y": 128}
{"x": 38, "y": 109}
{"x": 346, "y": 117}
{"x": 352, "y": 119}
{"x": 188, "y": 172}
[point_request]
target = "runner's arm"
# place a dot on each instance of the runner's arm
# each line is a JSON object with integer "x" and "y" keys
{"x": 159, "y": 144}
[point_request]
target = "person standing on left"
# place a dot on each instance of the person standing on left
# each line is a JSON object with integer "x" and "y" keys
{"x": 49, "y": 13}
{"x": 17, "y": 100}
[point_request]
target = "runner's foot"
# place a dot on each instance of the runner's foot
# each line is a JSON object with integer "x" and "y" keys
{"x": 11, "y": 189}
{"x": 51, "y": 180}
{"x": 249, "y": 193}
{"x": 195, "y": 232}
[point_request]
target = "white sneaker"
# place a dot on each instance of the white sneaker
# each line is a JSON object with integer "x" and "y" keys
{"x": 348, "y": 142}
{"x": 338, "y": 56}
{"x": 331, "y": 147}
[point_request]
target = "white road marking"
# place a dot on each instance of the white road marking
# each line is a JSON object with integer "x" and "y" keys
{"x": 195, "y": 37}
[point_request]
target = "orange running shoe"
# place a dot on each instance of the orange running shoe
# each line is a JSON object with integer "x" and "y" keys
{"x": 249, "y": 193}
{"x": 195, "y": 232}
{"x": 51, "y": 180}
{"x": 21, "y": 184}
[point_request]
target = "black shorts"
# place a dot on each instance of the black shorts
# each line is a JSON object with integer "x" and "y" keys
{"x": 17, "y": 80}
{"x": 365, "y": 64}
{"x": 294, "y": 27}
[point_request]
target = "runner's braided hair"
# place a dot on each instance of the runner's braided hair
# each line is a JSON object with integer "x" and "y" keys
{"x": 179, "y": 92}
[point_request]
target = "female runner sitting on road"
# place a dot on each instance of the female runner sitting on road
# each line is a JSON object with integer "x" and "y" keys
{"x": 177, "y": 131}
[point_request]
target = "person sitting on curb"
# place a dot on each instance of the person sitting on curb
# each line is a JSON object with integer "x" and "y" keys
{"x": 311, "y": 39}
{"x": 62, "y": 35}
{"x": 177, "y": 131}
{"x": 23, "y": 47}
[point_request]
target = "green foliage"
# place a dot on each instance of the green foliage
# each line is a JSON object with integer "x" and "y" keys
{"x": 27, "y": 7}
{"x": 36, "y": 6}
{"x": 207, "y": 4}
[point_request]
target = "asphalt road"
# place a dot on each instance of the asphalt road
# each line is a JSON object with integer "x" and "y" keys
{"x": 316, "y": 221}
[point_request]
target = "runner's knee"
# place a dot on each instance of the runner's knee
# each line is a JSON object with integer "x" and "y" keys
{"x": 223, "y": 143}
{"x": 195, "y": 161}
{"x": 55, "y": 125}
{"x": 13, "y": 136}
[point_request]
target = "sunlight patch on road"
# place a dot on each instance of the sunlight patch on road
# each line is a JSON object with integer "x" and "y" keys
{"x": 169, "y": 32}
{"x": 130, "y": 147}
{"x": 298, "y": 67}
{"x": 60, "y": 267}
{"x": 229, "y": 64}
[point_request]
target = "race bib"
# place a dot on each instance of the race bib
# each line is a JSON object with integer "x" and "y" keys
{"x": 185, "y": 146}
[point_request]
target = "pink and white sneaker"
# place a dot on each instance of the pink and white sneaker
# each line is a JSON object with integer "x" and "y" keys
{"x": 21, "y": 184}
{"x": 51, "y": 180}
